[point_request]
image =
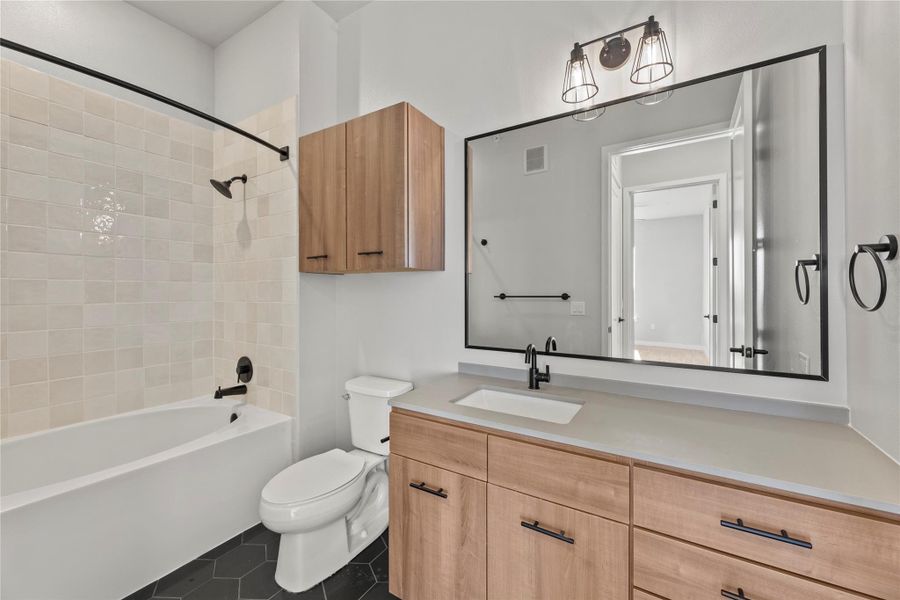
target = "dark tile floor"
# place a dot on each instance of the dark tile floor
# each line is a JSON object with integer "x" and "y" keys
{"x": 243, "y": 568}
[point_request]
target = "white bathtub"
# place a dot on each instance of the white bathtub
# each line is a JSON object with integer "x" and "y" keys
{"x": 97, "y": 510}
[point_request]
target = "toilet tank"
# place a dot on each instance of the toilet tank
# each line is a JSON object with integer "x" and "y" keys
{"x": 370, "y": 411}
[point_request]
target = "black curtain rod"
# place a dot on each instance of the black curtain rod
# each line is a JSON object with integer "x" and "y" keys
{"x": 5, "y": 43}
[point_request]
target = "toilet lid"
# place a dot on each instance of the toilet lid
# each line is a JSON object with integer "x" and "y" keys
{"x": 313, "y": 477}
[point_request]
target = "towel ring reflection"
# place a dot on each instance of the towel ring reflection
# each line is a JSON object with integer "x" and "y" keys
{"x": 800, "y": 267}
{"x": 886, "y": 245}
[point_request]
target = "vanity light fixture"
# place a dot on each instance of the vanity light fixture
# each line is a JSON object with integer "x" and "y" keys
{"x": 652, "y": 63}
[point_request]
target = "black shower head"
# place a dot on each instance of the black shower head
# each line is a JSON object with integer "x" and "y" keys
{"x": 224, "y": 187}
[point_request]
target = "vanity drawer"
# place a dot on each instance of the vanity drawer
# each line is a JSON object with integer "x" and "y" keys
{"x": 680, "y": 571}
{"x": 538, "y": 550}
{"x": 851, "y": 551}
{"x": 590, "y": 484}
{"x": 454, "y": 448}
{"x": 641, "y": 595}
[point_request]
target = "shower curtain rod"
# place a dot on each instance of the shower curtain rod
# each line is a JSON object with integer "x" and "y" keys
{"x": 5, "y": 43}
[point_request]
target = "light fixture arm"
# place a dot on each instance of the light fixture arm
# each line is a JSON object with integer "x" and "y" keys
{"x": 651, "y": 21}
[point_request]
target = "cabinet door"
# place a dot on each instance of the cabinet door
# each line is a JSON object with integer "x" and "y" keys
{"x": 541, "y": 550}
{"x": 323, "y": 201}
{"x": 437, "y": 533}
{"x": 376, "y": 191}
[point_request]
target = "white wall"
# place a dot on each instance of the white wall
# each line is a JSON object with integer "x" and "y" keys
{"x": 117, "y": 39}
{"x": 668, "y": 281}
{"x": 292, "y": 51}
{"x": 873, "y": 178}
{"x": 786, "y": 207}
{"x": 474, "y": 67}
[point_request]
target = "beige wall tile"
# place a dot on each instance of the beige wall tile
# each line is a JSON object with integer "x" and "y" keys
{"x": 29, "y": 81}
{"x": 28, "y": 108}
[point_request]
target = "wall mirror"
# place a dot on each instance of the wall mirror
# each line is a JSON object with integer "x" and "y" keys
{"x": 682, "y": 227}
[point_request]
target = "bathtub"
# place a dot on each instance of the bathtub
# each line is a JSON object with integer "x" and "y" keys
{"x": 97, "y": 510}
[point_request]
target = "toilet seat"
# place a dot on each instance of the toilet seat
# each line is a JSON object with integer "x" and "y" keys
{"x": 315, "y": 478}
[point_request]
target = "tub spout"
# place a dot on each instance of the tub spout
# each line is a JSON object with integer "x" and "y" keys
{"x": 237, "y": 390}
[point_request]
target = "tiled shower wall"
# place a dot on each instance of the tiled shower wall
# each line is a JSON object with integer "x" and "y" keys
{"x": 107, "y": 281}
{"x": 256, "y": 258}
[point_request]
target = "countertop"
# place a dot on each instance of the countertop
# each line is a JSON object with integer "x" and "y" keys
{"x": 821, "y": 460}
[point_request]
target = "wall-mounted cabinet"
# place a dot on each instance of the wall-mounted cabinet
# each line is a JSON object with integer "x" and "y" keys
{"x": 372, "y": 194}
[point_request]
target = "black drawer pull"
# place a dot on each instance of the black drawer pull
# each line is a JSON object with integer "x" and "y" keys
{"x": 317, "y": 256}
{"x": 778, "y": 537}
{"x": 732, "y": 596}
{"x": 559, "y": 536}
{"x": 371, "y": 253}
{"x": 424, "y": 488}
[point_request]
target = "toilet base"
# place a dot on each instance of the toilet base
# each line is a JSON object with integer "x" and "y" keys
{"x": 305, "y": 559}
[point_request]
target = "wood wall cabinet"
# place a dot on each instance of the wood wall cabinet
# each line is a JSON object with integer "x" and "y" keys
{"x": 323, "y": 204}
{"x": 513, "y": 504}
{"x": 372, "y": 194}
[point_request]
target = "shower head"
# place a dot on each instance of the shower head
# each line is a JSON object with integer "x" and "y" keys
{"x": 224, "y": 187}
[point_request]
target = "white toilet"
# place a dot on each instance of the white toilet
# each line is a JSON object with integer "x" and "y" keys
{"x": 330, "y": 506}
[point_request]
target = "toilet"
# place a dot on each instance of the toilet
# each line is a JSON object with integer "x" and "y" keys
{"x": 330, "y": 506}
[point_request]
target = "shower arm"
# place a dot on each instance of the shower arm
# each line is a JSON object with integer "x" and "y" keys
{"x": 284, "y": 151}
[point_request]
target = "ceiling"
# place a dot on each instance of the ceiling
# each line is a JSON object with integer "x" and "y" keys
{"x": 210, "y": 21}
{"x": 338, "y": 9}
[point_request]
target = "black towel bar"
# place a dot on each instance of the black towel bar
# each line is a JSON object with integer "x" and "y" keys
{"x": 505, "y": 296}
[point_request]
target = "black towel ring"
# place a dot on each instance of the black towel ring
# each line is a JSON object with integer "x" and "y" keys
{"x": 800, "y": 267}
{"x": 886, "y": 245}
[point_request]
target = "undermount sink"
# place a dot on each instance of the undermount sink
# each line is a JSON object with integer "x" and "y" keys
{"x": 522, "y": 405}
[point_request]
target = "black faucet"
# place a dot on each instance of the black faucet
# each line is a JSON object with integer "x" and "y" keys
{"x": 535, "y": 377}
{"x": 550, "y": 344}
{"x": 244, "y": 372}
{"x": 236, "y": 390}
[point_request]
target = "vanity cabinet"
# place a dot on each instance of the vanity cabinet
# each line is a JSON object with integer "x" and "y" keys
{"x": 539, "y": 550}
{"x": 482, "y": 513}
{"x": 437, "y": 532}
{"x": 372, "y": 194}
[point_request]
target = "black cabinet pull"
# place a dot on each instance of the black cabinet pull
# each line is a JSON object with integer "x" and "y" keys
{"x": 558, "y": 536}
{"x": 746, "y": 351}
{"x": 317, "y": 256}
{"x": 424, "y": 488}
{"x": 385, "y": 439}
{"x": 778, "y": 537}
{"x": 732, "y": 596}
{"x": 371, "y": 253}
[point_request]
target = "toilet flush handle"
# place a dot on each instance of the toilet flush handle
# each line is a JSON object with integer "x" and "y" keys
{"x": 385, "y": 439}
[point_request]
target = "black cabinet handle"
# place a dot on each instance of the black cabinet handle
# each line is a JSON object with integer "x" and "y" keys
{"x": 317, "y": 256}
{"x": 732, "y": 596}
{"x": 385, "y": 439}
{"x": 778, "y": 537}
{"x": 557, "y": 536}
{"x": 371, "y": 253}
{"x": 887, "y": 246}
{"x": 424, "y": 488}
{"x": 800, "y": 267}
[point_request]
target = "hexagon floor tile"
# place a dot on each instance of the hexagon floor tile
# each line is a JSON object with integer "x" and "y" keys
{"x": 243, "y": 568}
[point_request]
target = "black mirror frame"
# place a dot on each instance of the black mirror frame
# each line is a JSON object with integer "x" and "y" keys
{"x": 823, "y": 218}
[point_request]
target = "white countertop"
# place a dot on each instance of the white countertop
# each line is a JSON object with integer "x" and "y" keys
{"x": 821, "y": 460}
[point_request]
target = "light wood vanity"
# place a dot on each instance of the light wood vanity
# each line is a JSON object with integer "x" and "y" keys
{"x": 483, "y": 513}
{"x": 372, "y": 194}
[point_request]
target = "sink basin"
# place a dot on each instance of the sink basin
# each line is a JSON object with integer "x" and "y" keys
{"x": 522, "y": 405}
